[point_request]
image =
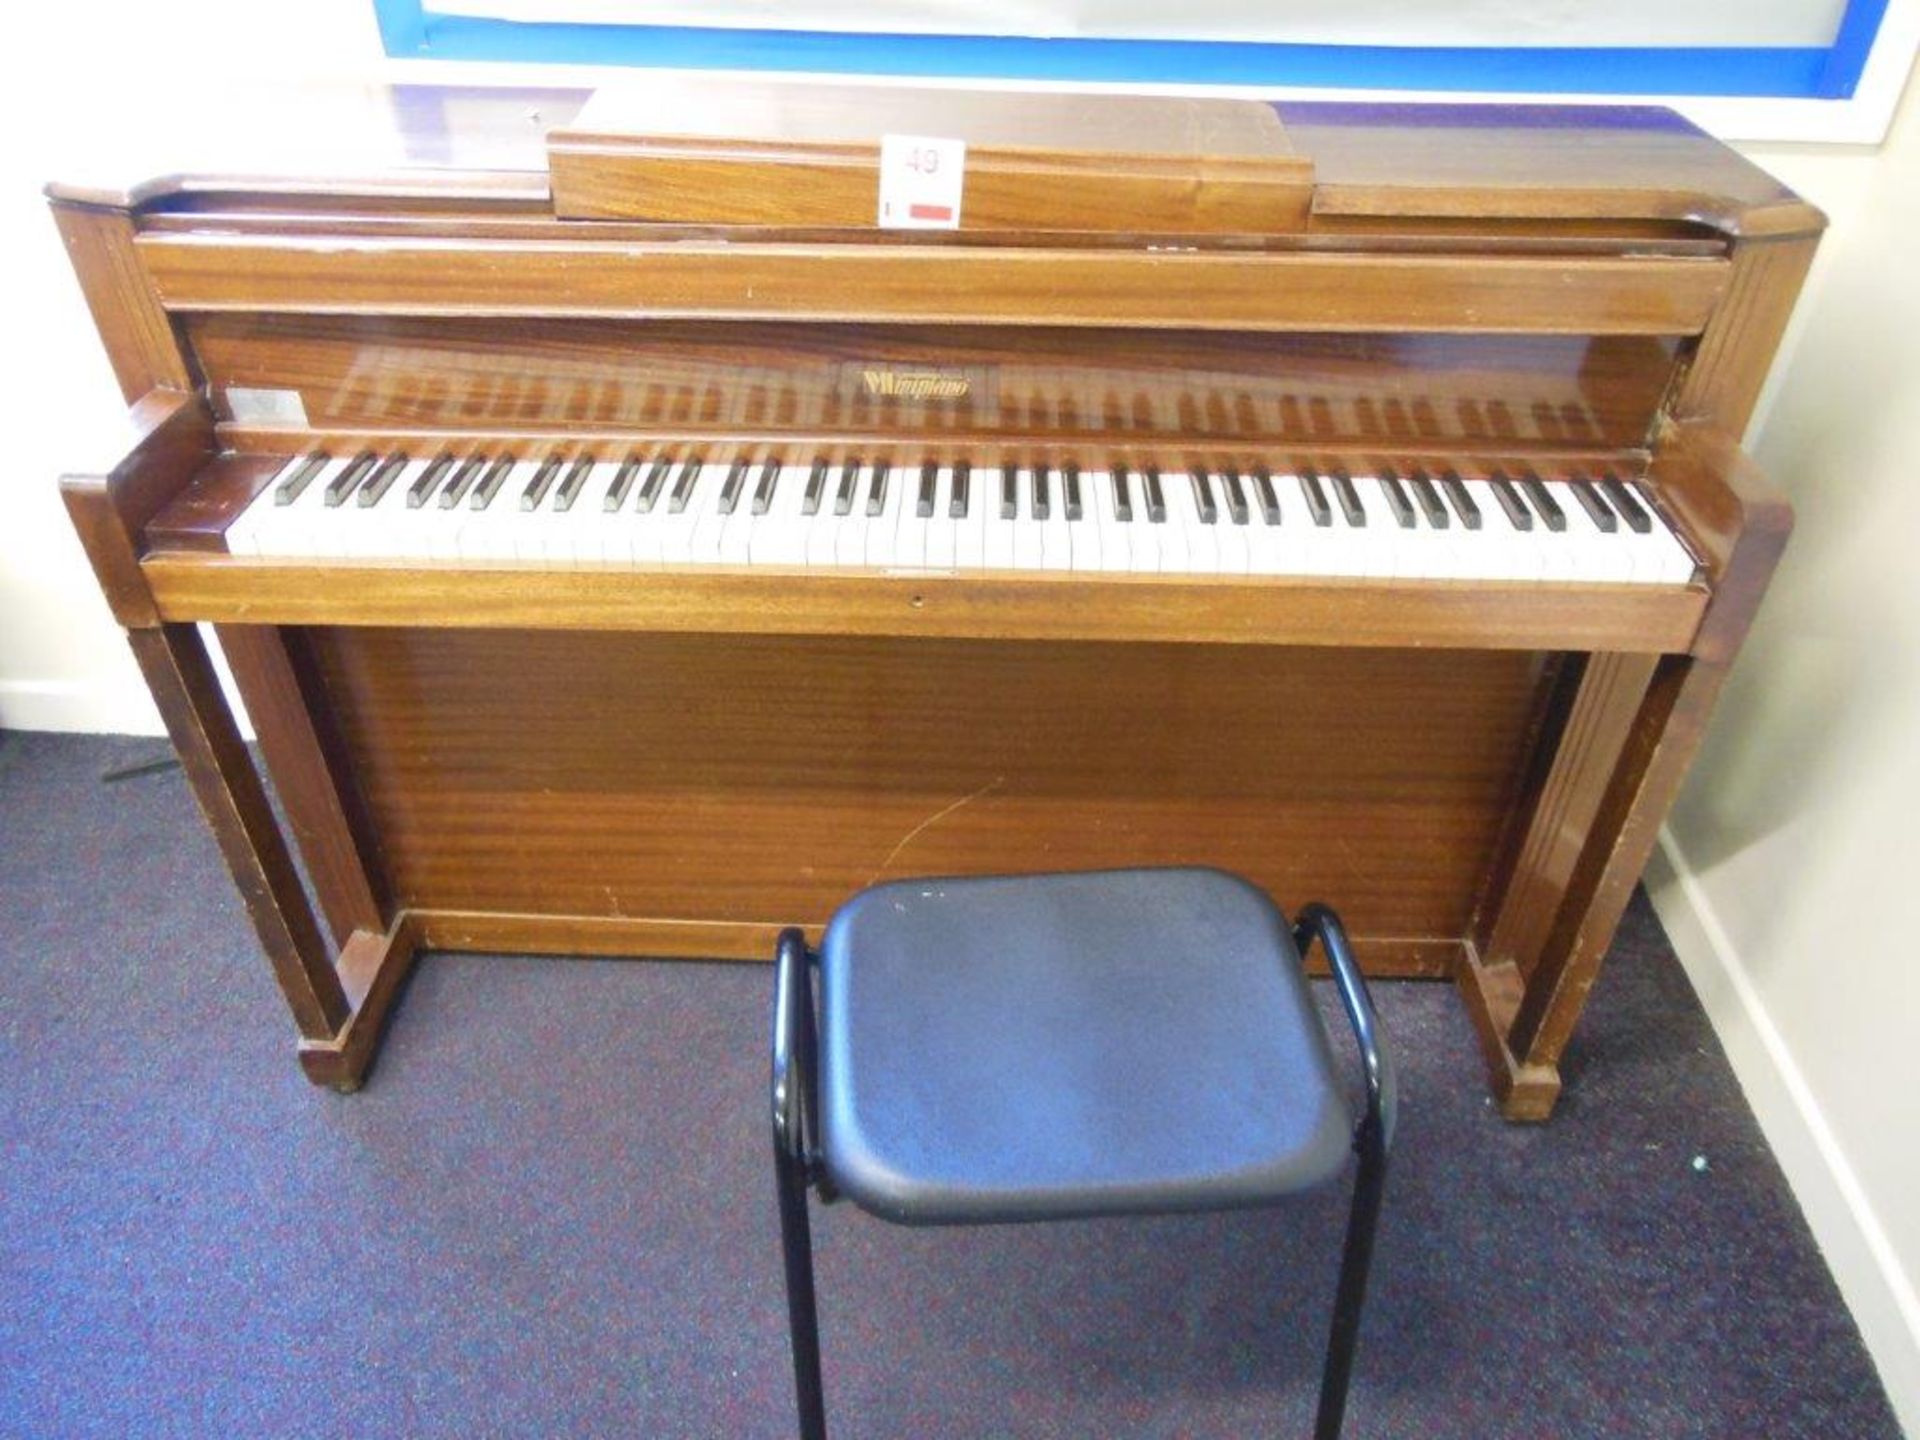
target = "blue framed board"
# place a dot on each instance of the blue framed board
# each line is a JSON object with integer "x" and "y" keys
{"x": 413, "y": 29}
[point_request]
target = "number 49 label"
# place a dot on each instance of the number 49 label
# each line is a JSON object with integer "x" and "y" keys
{"x": 920, "y": 182}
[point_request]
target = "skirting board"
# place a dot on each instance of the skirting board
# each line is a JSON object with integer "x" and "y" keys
{"x": 96, "y": 708}
{"x": 1876, "y": 1288}
{"x": 102, "y": 705}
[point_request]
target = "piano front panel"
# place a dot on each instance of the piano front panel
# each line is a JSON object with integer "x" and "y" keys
{"x": 578, "y": 789}
{"x": 599, "y": 376}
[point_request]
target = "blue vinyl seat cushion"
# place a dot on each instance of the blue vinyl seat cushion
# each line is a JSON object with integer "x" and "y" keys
{"x": 1045, "y": 1046}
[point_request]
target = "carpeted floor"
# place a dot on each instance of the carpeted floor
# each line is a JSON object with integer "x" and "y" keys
{"x": 550, "y": 1212}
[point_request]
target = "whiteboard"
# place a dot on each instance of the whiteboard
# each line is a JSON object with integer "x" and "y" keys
{"x": 1744, "y": 69}
{"x": 1491, "y": 23}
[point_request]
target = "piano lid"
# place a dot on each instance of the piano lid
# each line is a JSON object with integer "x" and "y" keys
{"x": 795, "y": 153}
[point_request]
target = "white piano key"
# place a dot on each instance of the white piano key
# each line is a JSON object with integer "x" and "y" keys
{"x": 1028, "y": 552}
{"x": 1056, "y": 534}
{"x": 736, "y": 529}
{"x": 1199, "y": 542}
{"x": 1231, "y": 536}
{"x": 850, "y": 544}
{"x": 882, "y": 529}
{"x": 910, "y": 526}
{"x": 1000, "y": 532}
{"x": 1087, "y": 534}
{"x": 970, "y": 536}
{"x": 695, "y": 538}
{"x": 780, "y": 537}
{"x": 1113, "y": 553}
{"x": 385, "y": 529}
{"x": 943, "y": 530}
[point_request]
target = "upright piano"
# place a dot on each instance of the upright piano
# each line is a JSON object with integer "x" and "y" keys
{"x": 624, "y": 543}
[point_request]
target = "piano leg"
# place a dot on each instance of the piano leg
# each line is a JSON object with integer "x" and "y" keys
{"x": 311, "y": 773}
{"x": 1628, "y": 733}
{"x": 338, "y": 1004}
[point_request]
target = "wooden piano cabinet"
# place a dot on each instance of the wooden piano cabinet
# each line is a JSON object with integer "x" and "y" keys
{"x": 619, "y": 760}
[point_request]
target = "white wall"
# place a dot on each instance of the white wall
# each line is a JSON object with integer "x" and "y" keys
{"x": 96, "y": 80}
{"x": 1791, "y": 876}
{"x": 1792, "y": 903}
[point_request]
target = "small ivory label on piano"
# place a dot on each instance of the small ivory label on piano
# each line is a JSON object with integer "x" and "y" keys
{"x": 249, "y": 406}
{"x": 920, "y": 182}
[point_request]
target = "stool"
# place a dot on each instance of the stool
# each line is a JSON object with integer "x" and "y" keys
{"x": 1042, "y": 1047}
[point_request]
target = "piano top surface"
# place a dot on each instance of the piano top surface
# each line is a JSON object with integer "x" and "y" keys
{"x": 1369, "y": 159}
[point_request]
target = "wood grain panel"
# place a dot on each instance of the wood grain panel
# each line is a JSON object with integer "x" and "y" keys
{"x": 136, "y": 331}
{"x": 1212, "y": 291}
{"x": 1021, "y": 604}
{"x": 774, "y": 152}
{"x": 1584, "y": 747}
{"x": 1737, "y": 350}
{"x": 763, "y": 781}
{"x": 495, "y": 932}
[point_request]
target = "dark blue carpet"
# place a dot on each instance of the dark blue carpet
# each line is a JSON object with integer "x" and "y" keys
{"x": 551, "y": 1213}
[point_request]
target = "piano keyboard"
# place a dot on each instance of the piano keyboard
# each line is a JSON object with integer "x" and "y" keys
{"x": 947, "y": 516}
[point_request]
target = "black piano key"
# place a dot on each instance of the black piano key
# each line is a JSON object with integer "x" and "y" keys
{"x": 491, "y": 482}
{"x": 652, "y": 483}
{"x": 1429, "y": 499}
{"x": 877, "y": 488}
{"x": 574, "y": 483}
{"x": 1269, "y": 497}
{"x": 684, "y": 479}
{"x": 1070, "y": 491}
{"x": 1122, "y": 495}
{"x": 540, "y": 484}
{"x": 622, "y": 484}
{"x": 1463, "y": 503}
{"x": 295, "y": 484}
{"x": 1203, "y": 496}
{"x": 1349, "y": 497}
{"x": 381, "y": 481}
{"x": 1510, "y": 501}
{"x": 816, "y": 487}
{"x": 1397, "y": 500}
{"x": 1628, "y": 504}
{"x": 1156, "y": 497}
{"x": 424, "y": 483}
{"x": 349, "y": 478}
{"x": 962, "y": 481}
{"x": 764, "y": 484}
{"x": 929, "y": 487}
{"x": 1009, "y": 493}
{"x": 1042, "y": 479}
{"x": 471, "y": 469}
{"x": 731, "y": 487}
{"x": 1591, "y": 501}
{"x": 1316, "y": 499}
{"x": 849, "y": 483}
{"x": 1535, "y": 490}
{"x": 1236, "y": 494}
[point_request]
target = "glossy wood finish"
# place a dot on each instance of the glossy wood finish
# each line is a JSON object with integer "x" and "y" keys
{"x": 133, "y": 327}
{"x": 1555, "y": 162}
{"x": 1021, "y": 605}
{"x": 601, "y": 761}
{"x": 582, "y": 378}
{"x": 783, "y": 154}
{"x": 173, "y": 441}
{"x": 754, "y": 780}
{"x": 1625, "y": 295}
{"x": 231, "y": 796}
{"x": 293, "y": 719}
{"x": 1562, "y": 165}
{"x": 372, "y": 966}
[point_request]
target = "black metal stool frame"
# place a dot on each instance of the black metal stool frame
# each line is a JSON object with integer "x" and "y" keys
{"x": 796, "y": 1154}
